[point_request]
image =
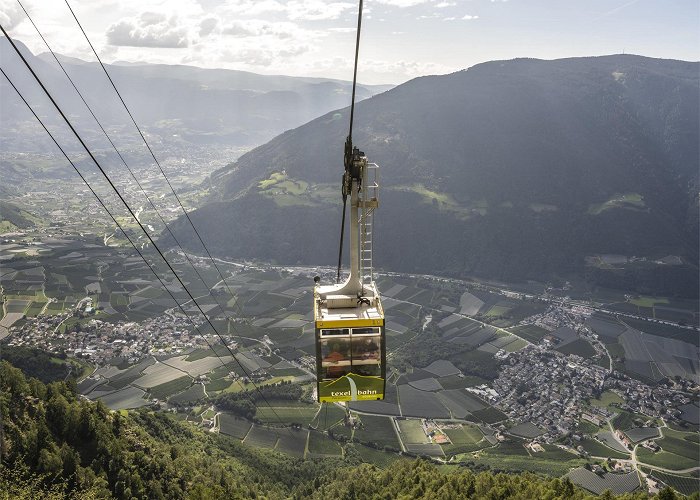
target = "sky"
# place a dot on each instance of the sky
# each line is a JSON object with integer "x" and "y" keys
{"x": 401, "y": 39}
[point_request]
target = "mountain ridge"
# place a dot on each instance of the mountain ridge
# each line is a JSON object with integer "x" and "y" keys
{"x": 572, "y": 158}
{"x": 175, "y": 104}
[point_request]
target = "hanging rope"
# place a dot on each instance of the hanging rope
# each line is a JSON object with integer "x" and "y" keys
{"x": 347, "y": 157}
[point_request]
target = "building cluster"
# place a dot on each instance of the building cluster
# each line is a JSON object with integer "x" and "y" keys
{"x": 99, "y": 341}
{"x": 661, "y": 400}
{"x": 547, "y": 389}
{"x": 557, "y": 316}
{"x": 553, "y": 391}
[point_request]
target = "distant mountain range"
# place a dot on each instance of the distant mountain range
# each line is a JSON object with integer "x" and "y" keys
{"x": 521, "y": 169}
{"x": 173, "y": 104}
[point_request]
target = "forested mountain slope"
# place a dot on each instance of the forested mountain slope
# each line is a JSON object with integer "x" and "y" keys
{"x": 57, "y": 445}
{"x": 522, "y": 169}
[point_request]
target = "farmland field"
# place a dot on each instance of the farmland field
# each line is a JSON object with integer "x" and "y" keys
{"x": 412, "y": 432}
{"x": 456, "y": 382}
{"x": 607, "y": 399}
{"x": 218, "y": 384}
{"x": 415, "y": 403}
{"x": 637, "y": 434}
{"x": 131, "y": 397}
{"x": 194, "y": 393}
{"x": 261, "y": 437}
{"x": 464, "y": 439}
{"x": 626, "y": 420}
{"x": 519, "y": 463}
{"x": 490, "y": 415}
{"x": 34, "y": 309}
{"x": 598, "y": 449}
{"x": 430, "y": 449}
{"x": 667, "y": 331}
{"x": 198, "y": 367}
{"x": 516, "y": 345}
{"x": 680, "y": 443}
{"x": 273, "y": 415}
{"x": 163, "y": 391}
{"x": 686, "y": 485}
{"x": 198, "y": 354}
{"x": 156, "y": 375}
{"x": 587, "y": 427}
{"x": 579, "y": 347}
{"x": 460, "y": 402}
{"x": 607, "y": 438}
{"x": 497, "y": 310}
{"x": 320, "y": 445}
{"x": 233, "y": 426}
{"x": 666, "y": 460}
{"x": 328, "y": 416}
{"x": 292, "y": 442}
{"x": 378, "y": 430}
{"x": 526, "y": 430}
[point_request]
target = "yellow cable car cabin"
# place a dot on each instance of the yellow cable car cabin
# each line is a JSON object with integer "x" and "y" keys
{"x": 349, "y": 318}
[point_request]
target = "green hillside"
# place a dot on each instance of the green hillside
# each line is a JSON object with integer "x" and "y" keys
{"x": 522, "y": 169}
{"x": 56, "y": 445}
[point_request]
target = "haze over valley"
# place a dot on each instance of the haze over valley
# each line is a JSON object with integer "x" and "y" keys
{"x": 536, "y": 251}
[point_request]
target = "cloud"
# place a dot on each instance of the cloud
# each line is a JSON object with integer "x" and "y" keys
{"x": 464, "y": 18}
{"x": 618, "y": 8}
{"x": 316, "y": 10}
{"x": 402, "y": 3}
{"x": 442, "y": 5}
{"x": 294, "y": 10}
{"x": 207, "y": 26}
{"x": 263, "y": 56}
{"x": 150, "y": 29}
{"x": 260, "y": 28}
{"x": 252, "y": 7}
{"x": 10, "y": 14}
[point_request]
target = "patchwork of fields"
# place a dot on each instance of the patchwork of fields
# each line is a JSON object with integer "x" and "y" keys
{"x": 441, "y": 341}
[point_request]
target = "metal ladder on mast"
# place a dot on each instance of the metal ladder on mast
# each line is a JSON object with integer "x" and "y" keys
{"x": 369, "y": 201}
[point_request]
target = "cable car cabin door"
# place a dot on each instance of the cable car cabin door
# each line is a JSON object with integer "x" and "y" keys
{"x": 350, "y": 360}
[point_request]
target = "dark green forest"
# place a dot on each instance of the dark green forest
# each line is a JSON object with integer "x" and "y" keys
{"x": 57, "y": 445}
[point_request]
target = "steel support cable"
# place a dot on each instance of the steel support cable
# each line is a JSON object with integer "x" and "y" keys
{"x": 133, "y": 176}
{"x": 143, "y": 137}
{"x": 184, "y": 211}
{"x": 354, "y": 74}
{"x": 347, "y": 155}
{"x": 133, "y": 215}
{"x": 342, "y": 235}
{"x": 113, "y": 217}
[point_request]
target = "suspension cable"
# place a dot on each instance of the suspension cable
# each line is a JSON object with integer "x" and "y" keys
{"x": 354, "y": 74}
{"x": 133, "y": 176}
{"x": 143, "y": 137}
{"x": 133, "y": 215}
{"x": 111, "y": 215}
{"x": 177, "y": 198}
{"x": 347, "y": 155}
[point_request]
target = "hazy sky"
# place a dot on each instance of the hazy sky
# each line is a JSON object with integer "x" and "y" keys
{"x": 401, "y": 39}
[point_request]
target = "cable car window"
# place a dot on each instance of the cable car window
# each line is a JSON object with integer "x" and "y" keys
{"x": 335, "y": 352}
{"x": 335, "y": 331}
{"x": 368, "y": 370}
{"x": 331, "y": 372}
{"x": 366, "y": 331}
{"x": 366, "y": 350}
